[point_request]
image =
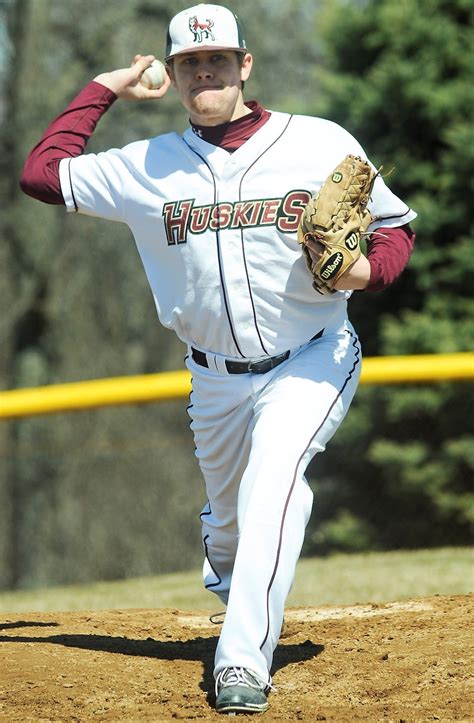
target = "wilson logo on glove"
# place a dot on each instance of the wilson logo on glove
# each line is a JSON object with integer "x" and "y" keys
{"x": 332, "y": 266}
{"x": 352, "y": 241}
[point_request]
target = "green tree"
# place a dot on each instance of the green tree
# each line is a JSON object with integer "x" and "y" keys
{"x": 76, "y": 501}
{"x": 117, "y": 492}
{"x": 398, "y": 74}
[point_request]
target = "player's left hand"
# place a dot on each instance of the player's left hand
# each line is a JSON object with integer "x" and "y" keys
{"x": 125, "y": 82}
{"x": 356, "y": 277}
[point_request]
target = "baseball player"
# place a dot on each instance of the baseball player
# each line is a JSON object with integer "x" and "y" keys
{"x": 214, "y": 213}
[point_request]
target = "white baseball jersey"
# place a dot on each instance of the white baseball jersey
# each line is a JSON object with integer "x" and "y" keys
{"x": 216, "y": 231}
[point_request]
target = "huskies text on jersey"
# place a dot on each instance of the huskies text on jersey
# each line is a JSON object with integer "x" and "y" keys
{"x": 181, "y": 217}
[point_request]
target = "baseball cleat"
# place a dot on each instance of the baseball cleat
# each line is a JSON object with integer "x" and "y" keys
{"x": 239, "y": 690}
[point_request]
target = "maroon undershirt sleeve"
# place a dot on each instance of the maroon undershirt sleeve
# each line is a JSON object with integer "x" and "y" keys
{"x": 65, "y": 137}
{"x": 388, "y": 252}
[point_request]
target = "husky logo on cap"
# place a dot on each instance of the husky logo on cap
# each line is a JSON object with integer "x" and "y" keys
{"x": 203, "y": 26}
{"x": 201, "y": 31}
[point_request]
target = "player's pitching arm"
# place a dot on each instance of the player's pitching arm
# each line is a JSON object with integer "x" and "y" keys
{"x": 68, "y": 134}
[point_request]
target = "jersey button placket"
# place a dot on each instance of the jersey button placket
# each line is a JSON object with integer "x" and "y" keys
{"x": 237, "y": 282}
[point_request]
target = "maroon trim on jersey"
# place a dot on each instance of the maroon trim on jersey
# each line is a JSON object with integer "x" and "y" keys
{"x": 356, "y": 347}
{"x": 388, "y": 252}
{"x": 232, "y": 135}
{"x": 65, "y": 137}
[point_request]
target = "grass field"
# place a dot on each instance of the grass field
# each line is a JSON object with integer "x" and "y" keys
{"x": 335, "y": 580}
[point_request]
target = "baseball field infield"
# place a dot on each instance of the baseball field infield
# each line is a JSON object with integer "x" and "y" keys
{"x": 143, "y": 649}
{"x": 389, "y": 661}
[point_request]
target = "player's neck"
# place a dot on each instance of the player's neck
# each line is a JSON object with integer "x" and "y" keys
{"x": 233, "y": 134}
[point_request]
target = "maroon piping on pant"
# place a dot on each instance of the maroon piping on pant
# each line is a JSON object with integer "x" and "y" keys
{"x": 349, "y": 377}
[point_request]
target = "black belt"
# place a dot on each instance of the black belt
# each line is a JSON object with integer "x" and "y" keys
{"x": 261, "y": 366}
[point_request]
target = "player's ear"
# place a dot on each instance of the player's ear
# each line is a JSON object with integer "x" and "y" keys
{"x": 169, "y": 70}
{"x": 246, "y": 67}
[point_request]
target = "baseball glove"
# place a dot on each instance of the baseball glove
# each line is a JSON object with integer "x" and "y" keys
{"x": 335, "y": 220}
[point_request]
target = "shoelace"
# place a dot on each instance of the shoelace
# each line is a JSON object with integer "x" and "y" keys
{"x": 217, "y": 618}
{"x": 240, "y": 676}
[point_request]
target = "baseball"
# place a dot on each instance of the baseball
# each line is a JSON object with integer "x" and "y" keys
{"x": 154, "y": 76}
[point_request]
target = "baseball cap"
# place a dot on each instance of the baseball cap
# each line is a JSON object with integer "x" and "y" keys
{"x": 204, "y": 27}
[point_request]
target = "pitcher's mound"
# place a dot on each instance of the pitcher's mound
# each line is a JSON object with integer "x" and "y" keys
{"x": 397, "y": 661}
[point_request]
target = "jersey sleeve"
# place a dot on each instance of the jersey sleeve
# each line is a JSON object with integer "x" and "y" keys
{"x": 93, "y": 184}
{"x": 390, "y": 239}
{"x": 65, "y": 137}
{"x": 387, "y": 209}
{"x": 385, "y": 206}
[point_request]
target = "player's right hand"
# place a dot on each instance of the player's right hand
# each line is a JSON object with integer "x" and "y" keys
{"x": 125, "y": 82}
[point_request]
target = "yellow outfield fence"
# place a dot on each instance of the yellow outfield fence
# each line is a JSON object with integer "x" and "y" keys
{"x": 115, "y": 391}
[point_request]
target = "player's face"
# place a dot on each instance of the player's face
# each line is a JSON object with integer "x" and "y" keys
{"x": 209, "y": 84}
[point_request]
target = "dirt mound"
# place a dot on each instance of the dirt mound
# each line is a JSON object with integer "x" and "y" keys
{"x": 407, "y": 660}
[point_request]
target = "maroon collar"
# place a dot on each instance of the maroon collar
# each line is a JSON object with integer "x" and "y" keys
{"x": 233, "y": 134}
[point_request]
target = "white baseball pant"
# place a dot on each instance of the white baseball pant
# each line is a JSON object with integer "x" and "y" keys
{"x": 255, "y": 434}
